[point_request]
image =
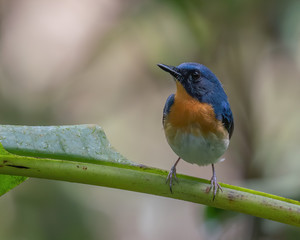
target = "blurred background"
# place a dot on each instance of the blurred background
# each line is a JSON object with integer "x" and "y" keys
{"x": 94, "y": 61}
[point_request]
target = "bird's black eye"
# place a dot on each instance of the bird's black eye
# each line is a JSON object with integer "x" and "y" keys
{"x": 195, "y": 75}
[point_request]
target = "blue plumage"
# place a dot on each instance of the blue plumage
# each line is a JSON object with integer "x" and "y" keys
{"x": 167, "y": 107}
{"x": 227, "y": 118}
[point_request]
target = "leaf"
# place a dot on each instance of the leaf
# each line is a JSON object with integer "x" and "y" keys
{"x": 8, "y": 182}
{"x": 87, "y": 143}
{"x": 84, "y": 142}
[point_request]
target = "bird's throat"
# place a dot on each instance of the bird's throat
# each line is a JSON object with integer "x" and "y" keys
{"x": 181, "y": 93}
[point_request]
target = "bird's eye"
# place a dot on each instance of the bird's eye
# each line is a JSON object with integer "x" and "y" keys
{"x": 195, "y": 75}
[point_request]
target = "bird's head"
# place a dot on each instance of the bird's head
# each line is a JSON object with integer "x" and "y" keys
{"x": 197, "y": 80}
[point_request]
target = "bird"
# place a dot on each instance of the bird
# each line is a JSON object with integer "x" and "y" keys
{"x": 197, "y": 119}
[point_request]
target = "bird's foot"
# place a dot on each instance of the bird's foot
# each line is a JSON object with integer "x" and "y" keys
{"x": 214, "y": 185}
{"x": 171, "y": 176}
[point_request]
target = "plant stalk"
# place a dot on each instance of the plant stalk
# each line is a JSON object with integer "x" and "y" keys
{"x": 153, "y": 181}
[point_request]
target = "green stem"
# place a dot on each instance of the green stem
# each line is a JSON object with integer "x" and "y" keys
{"x": 152, "y": 181}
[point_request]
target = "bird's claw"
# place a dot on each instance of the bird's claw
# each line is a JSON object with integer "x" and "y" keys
{"x": 171, "y": 176}
{"x": 215, "y": 186}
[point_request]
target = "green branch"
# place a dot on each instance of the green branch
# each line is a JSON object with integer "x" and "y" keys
{"x": 149, "y": 180}
{"x": 126, "y": 175}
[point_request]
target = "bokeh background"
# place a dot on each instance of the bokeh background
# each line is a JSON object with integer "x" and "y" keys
{"x": 94, "y": 61}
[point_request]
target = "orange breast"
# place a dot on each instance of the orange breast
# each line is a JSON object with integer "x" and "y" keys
{"x": 193, "y": 116}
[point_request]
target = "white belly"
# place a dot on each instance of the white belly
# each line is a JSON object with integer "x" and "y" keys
{"x": 197, "y": 149}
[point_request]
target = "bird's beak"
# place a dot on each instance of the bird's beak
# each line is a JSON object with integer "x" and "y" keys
{"x": 170, "y": 69}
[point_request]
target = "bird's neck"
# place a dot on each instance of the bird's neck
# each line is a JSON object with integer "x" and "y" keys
{"x": 182, "y": 95}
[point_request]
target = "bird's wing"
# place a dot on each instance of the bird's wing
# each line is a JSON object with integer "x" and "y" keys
{"x": 167, "y": 107}
{"x": 227, "y": 118}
